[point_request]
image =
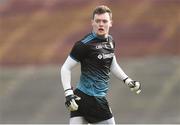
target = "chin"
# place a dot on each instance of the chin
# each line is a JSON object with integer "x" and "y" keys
{"x": 101, "y": 34}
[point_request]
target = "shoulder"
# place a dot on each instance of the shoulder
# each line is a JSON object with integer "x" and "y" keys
{"x": 111, "y": 41}
{"x": 110, "y": 38}
{"x": 88, "y": 38}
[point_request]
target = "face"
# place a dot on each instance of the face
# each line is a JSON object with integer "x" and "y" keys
{"x": 101, "y": 24}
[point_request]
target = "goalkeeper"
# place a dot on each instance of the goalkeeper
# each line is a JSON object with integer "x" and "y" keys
{"x": 95, "y": 52}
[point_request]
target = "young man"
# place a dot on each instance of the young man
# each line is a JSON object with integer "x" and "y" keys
{"x": 95, "y": 52}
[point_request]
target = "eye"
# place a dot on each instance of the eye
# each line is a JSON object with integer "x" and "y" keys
{"x": 104, "y": 21}
{"x": 97, "y": 21}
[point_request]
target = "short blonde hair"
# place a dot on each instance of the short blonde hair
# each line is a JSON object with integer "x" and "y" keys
{"x": 101, "y": 10}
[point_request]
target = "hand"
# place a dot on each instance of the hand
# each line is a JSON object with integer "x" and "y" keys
{"x": 71, "y": 102}
{"x": 133, "y": 85}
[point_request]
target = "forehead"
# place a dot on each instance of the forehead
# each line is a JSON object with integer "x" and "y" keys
{"x": 104, "y": 16}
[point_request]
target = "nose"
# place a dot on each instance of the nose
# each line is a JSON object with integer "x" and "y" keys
{"x": 101, "y": 23}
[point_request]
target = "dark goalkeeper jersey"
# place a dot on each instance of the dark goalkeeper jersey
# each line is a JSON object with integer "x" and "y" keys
{"x": 95, "y": 55}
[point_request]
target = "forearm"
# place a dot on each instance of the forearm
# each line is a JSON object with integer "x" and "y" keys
{"x": 119, "y": 73}
{"x": 66, "y": 74}
{"x": 117, "y": 70}
{"x": 66, "y": 78}
{"x": 66, "y": 83}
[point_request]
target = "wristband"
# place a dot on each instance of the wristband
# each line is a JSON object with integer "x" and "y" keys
{"x": 124, "y": 80}
{"x": 68, "y": 92}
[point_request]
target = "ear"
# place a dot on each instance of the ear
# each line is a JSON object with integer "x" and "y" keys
{"x": 111, "y": 23}
{"x": 92, "y": 22}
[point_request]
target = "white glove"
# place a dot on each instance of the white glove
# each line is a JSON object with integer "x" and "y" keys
{"x": 71, "y": 100}
{"x": 133, "y": 85}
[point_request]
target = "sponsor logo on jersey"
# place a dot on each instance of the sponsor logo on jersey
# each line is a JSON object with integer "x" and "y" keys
{"x": 105, "y": 56}
{"x": 100, "y": 56}
{"x": 105, "y": 45}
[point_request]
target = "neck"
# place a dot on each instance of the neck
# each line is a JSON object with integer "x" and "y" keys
{"x": 101, "y": 36}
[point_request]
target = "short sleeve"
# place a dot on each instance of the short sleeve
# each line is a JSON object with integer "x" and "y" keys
{"x": 78, "y": 51}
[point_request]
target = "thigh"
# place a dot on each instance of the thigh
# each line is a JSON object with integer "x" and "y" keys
{"x": 77, "y": 120}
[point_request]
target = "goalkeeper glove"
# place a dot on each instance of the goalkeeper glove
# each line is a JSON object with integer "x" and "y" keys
{"x": 133, "y": 85}
{"x": 71, "y": 100}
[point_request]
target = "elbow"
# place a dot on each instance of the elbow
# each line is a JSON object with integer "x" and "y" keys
{"x": 62, "y": 69}
{"x": 65, "y": 69}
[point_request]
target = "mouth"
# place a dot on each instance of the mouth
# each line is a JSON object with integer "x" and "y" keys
{"x": 101, "y": 29}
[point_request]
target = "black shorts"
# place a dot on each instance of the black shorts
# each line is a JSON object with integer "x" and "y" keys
{"x": 93, "y": 109}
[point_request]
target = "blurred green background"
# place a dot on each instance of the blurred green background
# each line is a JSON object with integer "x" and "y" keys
{"x": 36, "y": 36}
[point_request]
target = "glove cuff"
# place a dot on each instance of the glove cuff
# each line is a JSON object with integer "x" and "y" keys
{"x": 127, "y": 80}
{"x": 68, "y": 92}
{"x": 124, "y": 80}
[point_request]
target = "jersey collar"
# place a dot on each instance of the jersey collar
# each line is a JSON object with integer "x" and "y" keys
{"x": 101, "y": 38}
